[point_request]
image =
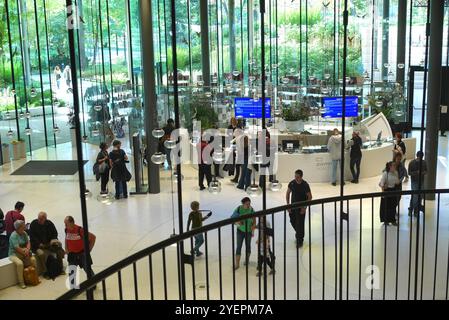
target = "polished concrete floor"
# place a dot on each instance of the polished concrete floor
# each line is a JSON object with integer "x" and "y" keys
{"x": 124, "y": 227}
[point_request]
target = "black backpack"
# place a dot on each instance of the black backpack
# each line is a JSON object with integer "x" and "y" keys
{"x": 54, "y": 267}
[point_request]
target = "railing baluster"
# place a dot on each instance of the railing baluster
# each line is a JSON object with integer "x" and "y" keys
{"x": 119, "y": 274}
{"x": 178, "y": 269}
{"x": 103, "y": 287}
{"x": 165, "y": 273}
{"x": 385, "y": 247}
{"x": 285, "y": 255}
{"x": 410, "y": 253}
{"x": 336, "y": 249}
{"x": 207, "y": 266}
{"x": 324, "y": 250}
{"x": 436, "y": 247}
{"x": 297, "y": 273}
{"x": 150, "y": 263}
{"x": 233, "y": 262}
{"x": 136, "y": 289}
{"x": 360, "y": 248}
{"x": 192, "y": 252}
{"x": 372, "y": 246}
{"x": 397, "y": 248}
{"x": 423, "y": 244}
{"x": 273, "y": 262}
{"x": 219, "y": 264}
{"x": 347, "y": 251}
{"x": 310, "y": 254}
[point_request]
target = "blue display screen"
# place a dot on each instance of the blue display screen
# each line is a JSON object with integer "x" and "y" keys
{"x": 333, "y": 107}
{"x": 248, "y": 108}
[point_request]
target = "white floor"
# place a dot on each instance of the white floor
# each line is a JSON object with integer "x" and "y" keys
{"x": 126, "y": 226}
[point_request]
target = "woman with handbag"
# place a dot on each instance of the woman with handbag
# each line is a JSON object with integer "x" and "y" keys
{"x": 103, "y": 167}
{"x": 119, "y": 173}
{"x": 20, "y": 251}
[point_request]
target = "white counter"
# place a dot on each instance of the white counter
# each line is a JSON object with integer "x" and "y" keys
{"x": 317, "y": 166}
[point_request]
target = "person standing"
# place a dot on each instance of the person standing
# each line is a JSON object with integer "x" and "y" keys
{"x": 388, "y": 183}
{"x": 298, "y": 190}
{"x": 103, "y": 167}
{"x": 265, "y": 243}
{"x": 334, "y": 147}
{"x": 204, "y": 166}
{"x": 43, "y": 235}
{"x": 57, "y": 73}
{"x": 12, "y": 216}
{"x": 235, "y": 167}
{"x": 243, "y": 159}
{"x": 399, "y": 146}
{"x": 196, "y": 219}
{"x": 74, "y": 246}
{"x": 413, "y": 170}
{"x": 119, "y": 173}
{"x": 20, "y": 251}
{"x": 68, "y": 76}
{"x": 168, "y": 129}
{"x": 355, "y": 156}
{"x": 245, "y": 230}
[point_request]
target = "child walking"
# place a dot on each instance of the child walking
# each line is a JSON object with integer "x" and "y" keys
{"x": 265, "y": 232}
{"x": 196, "y": 219}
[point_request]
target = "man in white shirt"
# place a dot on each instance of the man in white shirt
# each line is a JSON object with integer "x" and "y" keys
{"x": 334, "y": 147}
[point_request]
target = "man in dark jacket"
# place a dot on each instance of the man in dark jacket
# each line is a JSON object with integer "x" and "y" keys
{"x": 355, "y": 155}
{"x": 44, "y": 239}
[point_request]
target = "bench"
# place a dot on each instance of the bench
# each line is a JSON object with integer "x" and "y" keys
{"x": 8, "y": 273}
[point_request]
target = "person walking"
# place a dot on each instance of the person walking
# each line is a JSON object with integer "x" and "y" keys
{"x": 119, "y": 173}
{"x": 399, "y": 146}
{"x": 103, "y": 167}
{"x": 243, "y": 159}
{"x": 74, "y": 246}
{"x": 413, "y": 170}
{"x": 43, "y": 235}
{"x": 196, "y": 219}
{"x": 245, "y": 230}
{"x": 402, "y": 172}
{"x": 264, "y": 240}
{"x": 235, "y": 169}
{"x": 355, "y": 156}
{"x": 388, "y": 183}
{"x": 68, "y": 76}
{"x": 20, "y": 251}
{"x": 334, "y": 147}
{"x": 12, "y": 216}
{"x": 298, "y": 190}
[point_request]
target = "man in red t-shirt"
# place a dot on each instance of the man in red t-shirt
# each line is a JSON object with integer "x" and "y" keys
{"x": 12, "y": 216}
{"x": 74, "y": 245}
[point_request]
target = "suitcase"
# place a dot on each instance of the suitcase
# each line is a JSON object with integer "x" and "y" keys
{"x": 30, "y": 276}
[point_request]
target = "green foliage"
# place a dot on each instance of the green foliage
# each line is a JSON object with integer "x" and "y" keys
{"x": 298, "y": 111}
{"x": 198, "y": 107}
{"x": 392, "y": 98}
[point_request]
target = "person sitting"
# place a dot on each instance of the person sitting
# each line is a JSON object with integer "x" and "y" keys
{"x": 12, "y": 216}
{"x": 20, "y": 250}
{"x": 43, "y": 238}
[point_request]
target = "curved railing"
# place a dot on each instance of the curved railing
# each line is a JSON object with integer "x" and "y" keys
{"x": 347, "y": 254}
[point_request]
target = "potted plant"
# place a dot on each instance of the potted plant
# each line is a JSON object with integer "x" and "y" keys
{"x": 295, "y": 115}
{"x": 18, "y": 149}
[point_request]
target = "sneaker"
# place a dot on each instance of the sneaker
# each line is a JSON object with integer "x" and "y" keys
{"x": 236, "y": 267}
{"x": 272, "y": 271}
{"x": 234, "y": 181}
{"x": 23, "y": 286}
{"x": 199, "y": 254}
{"x": 117, "y": 197}
{"x": 46, "y": 276}
{"x": 241, "y": 188}
{"x": 353, "y": 181}
{"x": 394, "y": 224}
{"x": 334, "y": 184}
{"x": 299, "y": 244}
{"x": 202, "y": 188}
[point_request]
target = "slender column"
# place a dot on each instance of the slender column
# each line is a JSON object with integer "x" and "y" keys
{"x": 129, "y": 57}
{"x": 205, "y": 55}
{"x": 385, "y": 37}
{"x": 402, "y": 29}
{"x": 149, "y": 89}
{"x": 25, "y": 46}
{"x": 434, "y": 92}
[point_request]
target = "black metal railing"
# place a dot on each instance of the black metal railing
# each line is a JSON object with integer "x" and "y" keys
{"x": 366, "y": 261}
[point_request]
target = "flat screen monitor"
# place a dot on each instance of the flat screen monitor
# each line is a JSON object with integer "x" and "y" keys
{"x": 290, "y": 145}
{"x": 333, "y": 107}
{"x": 249, "y": 109}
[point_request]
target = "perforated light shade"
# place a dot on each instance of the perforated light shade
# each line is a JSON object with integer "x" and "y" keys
{"x": 158, "y": 133}
{"x": 158, "y": 158}
{"x": 215, "y": 187}
{"x": 254, "y": 190}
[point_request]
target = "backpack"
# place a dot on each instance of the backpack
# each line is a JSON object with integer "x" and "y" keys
{"x": 54, "y": 267}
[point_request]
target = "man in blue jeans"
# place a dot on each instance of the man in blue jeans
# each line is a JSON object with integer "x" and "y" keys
{"x": 334, "y": 148}
{"x": 413, "y": 171}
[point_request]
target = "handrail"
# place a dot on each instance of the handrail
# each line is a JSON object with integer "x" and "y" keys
{"x": 222, "y": 223}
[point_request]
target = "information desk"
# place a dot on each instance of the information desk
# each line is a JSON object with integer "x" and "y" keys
{"x": 317, "y": 166}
